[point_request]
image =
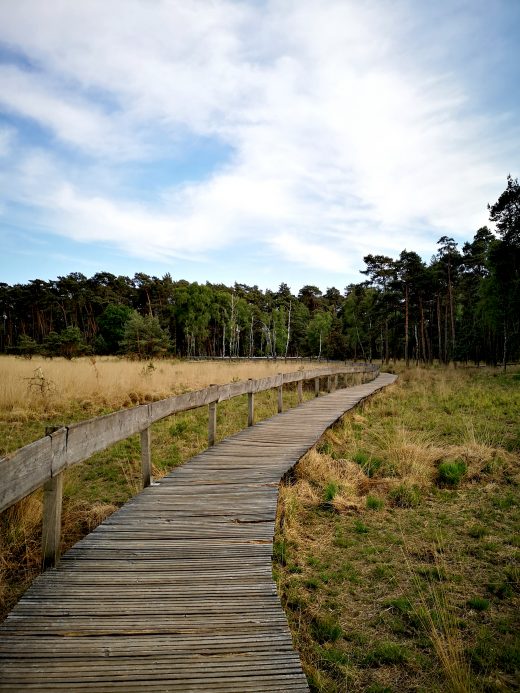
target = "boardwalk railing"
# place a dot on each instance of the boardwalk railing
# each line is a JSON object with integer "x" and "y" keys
{"x": 43, "y": 462}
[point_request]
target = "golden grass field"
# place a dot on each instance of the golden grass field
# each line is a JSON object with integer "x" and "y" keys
{"x": 39, "y": 385}
{"x": 40, "y": 392}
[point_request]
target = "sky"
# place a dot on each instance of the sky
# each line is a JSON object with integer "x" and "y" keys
{"x": 255, "y": 141}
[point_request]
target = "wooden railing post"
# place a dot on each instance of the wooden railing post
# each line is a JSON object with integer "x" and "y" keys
{"x": 146, "y": 456}
{"x": 250, "y": 406}
{"x": 329, "y": 383}
{"x": 280, "y": 399}
{"x": 316, "y": 387}
{"x": 300, "y": 391}
{"x": 51, "y": 521}
{"x": 336, "y": 382}
{"x": 212, "y": 423}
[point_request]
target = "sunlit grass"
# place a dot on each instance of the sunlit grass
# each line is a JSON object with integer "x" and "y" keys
{"x": 41, "y": 392}
{"x": 412, "y": 616}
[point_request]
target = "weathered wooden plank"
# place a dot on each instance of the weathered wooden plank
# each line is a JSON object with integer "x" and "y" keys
{"x": 51, "y": 525}
{"x": 270, "y": 383}
{"x": 189, "y": 400}
{"x": 231, "y": 390}
{"x": 24, "y": 471}
{"x": 146, "y": 457}
{"x": 86, "y": 438}
{"x": 212, "y": 423}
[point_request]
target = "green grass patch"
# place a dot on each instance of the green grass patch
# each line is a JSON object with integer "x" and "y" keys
{"x": 331, "y": 491}
{"x": 375, "y": 503}
{"x": 385, "y": 652}
{"x": 478, "y": 603}
{"x": 451, "y": 473}
{"x": 326, "y": 629}
{"x": 405, "y": 496}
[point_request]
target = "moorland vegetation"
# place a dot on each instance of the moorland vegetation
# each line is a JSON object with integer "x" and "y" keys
{"x": 397, "y": 554}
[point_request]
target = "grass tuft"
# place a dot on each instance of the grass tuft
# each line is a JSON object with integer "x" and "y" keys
{"x": 451, "y": 473}
{"x": 478, "y": 603}
{"x": 375, "y": 503}
{"x": 405, "y": 496}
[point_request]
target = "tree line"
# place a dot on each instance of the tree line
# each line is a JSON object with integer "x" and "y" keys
{"x": 464, "y": 305}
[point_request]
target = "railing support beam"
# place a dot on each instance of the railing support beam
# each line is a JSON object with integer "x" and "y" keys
{"x": 300, "y": 391}
{"x": 316, "y": 387}
{"x": 51, "y": 520}
{"x": 212, "y": 423}
{"x": 280, "y": 399}
{"x": 51, "y": 524}
{"x": 146, "y": 457}
{"x": 250, "y": 407}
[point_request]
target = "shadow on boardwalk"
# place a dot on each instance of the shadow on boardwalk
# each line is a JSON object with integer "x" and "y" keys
{"x": 174, "y": 591}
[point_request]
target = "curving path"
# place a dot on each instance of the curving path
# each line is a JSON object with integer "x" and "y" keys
{"x": 174, "y": 591}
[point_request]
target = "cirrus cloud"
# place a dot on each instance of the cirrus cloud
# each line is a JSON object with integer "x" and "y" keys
{"x": 345, "y": 129}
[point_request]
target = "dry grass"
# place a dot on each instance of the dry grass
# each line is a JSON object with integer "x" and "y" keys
{"x": 363, "y": 615}
{"x": 53, "y": 384}
{"x": 438, "y": 619}
{"x": 42, "y": 392}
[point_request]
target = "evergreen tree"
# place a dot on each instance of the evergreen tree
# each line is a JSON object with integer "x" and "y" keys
{"x": 144, "y": 337}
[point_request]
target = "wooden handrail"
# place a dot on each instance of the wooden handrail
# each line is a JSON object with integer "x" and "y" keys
{"x": 43, "y": 461}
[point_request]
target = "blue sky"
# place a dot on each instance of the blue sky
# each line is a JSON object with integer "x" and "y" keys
{"x": 256, "y": 142}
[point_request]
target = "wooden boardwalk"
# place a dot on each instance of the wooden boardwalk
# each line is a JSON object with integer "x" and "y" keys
{"x": 174, "y": 592}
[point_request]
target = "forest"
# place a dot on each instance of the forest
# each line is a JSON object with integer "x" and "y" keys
{"x": 462, "y": 306}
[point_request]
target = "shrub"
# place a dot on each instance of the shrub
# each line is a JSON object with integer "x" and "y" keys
{"x": 144, "y": 337}
{"x": 27, "y": 347}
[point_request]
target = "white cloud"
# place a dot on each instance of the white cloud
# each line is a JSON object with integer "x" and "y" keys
{"x": 71, "y": 119}
{"x": 308, "y": 254}
{"x": 7, "y": 140}
{"x": 344, "y": 142}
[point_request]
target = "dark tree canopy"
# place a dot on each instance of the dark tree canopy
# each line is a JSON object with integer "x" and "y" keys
{"x": 506, "y": 212}
{"x": 462, "y": 306}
